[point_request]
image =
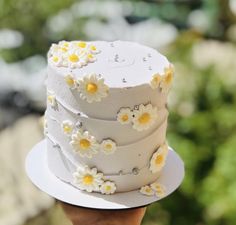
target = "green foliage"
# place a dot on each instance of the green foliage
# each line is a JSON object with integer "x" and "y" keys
{"x": 206, "y": 140}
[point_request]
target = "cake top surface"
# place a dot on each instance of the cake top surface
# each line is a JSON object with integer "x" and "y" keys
{"x": 119, "y": 63}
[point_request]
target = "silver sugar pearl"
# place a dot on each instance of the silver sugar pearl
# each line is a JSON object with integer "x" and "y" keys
{"x": 149, "y": 55}
{"x": 136, "y": 107}
{"x": 144, "y": 59}
{"x": 78, "y": 125}
{"x": 150, "y": 68}
{"x": 135, "y": 171}
{"x": 55, "y": 145}
{"x": 120, "y": 172}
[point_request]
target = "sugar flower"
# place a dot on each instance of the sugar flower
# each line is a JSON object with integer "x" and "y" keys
{"x": 167, "y": 79}
{"x": 70, "y": 81}
{"x": 144, "y": 117}
{"x": 92, "y": 88}
{"x": 84, "y": 144}
{"x": 147, "y": 190}
{"x": 159, "y": 158}
{"x": 108, "y": 146}
{"x": 159, "y": 189}
{"x": 108, "y": 188}
{"x": 67, "y": 127}
{"x": 125, "y": 116}
{"x": 88, "y": 179}
{"x": 156, "y": 80}
{"x": 51, "y": 99}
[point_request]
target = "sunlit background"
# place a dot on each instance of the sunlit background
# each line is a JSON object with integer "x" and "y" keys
{"x": 198, "y": 36}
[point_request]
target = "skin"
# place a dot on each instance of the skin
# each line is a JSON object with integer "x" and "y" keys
{"x": 84, "y": 216}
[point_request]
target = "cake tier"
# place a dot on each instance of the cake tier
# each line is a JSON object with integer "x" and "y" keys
{"x": 63, "y": 169}
{"x": 108, "y": 107}
{"x": 122, "y": 134}
{"x": 125, "y": 158}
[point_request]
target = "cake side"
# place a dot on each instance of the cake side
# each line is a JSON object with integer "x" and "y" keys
{"x": 108, "y": 115}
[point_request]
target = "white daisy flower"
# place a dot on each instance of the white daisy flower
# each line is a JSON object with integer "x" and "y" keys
{"x": 93, "y": 49}
{"x": 156, "y": 80}
{"x": 80, "y": 44}
{"x": 144, "y": 117}
{"x": 92, "y": 88}
{"x": 159, "y": 189}
{"x": 85, "y": 144}
{"x": 108, "y": 188}
{"x": 70, "y": 81}
{"x": 51, "y": 98}
{"x": 146, "y": 190}
{"x": 88, "y": 179}
{"x": 64, "y": 44}
{"x": 125, "y": 116}
{"x": 90, "y": 57}
{"x": 56, "y": 59}
{"x": 74, "y": 60}
{"x": 53, "y": 49}
{"x": 167, "y": 79}
{"x": 159, "y": 158}
{"x": 108, "y": 146}
{"x": 67, "y": 127}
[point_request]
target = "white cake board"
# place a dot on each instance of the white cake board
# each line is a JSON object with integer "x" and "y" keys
{"x": 37, "y": 170}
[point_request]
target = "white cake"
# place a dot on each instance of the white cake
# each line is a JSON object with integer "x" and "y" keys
{"x": 106, "y": 115}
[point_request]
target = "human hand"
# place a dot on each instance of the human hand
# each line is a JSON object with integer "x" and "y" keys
{"x": 83, "y": 216}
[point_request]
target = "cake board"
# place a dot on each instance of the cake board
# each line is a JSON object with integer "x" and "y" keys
{"x": 40, "y": 175}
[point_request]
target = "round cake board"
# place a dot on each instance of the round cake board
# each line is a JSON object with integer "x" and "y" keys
{"x": 39, "y": 173}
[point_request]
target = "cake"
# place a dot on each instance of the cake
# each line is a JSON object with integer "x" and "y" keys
{"x": 106, "y": 115}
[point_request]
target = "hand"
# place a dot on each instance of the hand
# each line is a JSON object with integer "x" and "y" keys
{"x": 83, "y": 216}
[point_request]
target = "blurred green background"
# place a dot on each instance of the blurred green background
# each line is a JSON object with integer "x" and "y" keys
{"x": 199, "y": 38}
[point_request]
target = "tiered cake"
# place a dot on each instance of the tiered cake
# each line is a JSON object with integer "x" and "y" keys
{"x": 106, "y": 115}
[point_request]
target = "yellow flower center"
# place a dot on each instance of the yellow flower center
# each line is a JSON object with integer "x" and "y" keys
{"x": 69, "y": 80}
{"x": 84, "y": 144}
{"x": 159, "y": 159}
{"x": 108, "y": 188}
{"x": 55, "y": 58}
{"x": 108, "y": 146}
{"x": 67, "y": 128}
{"x": 169, "y": 77}
{"x": 66, "y": 44}
{"x": 156, "y": 79}
{"x": 64, "y": 49}
{"x": 124, "y": 118}
{"x": 73, "y": 58}
{"x": 93, "y": 48}
{"x": 88, "y": 179}
{"x": 148, "y": 190}
{"x": 90, "y": 56}
{"x": 158, "y": 188}
{"x": 144, "y": 118}
{"x": 50, "y": 98}
{"x": 82, "y": 44}
{"x": 91, "y": 88}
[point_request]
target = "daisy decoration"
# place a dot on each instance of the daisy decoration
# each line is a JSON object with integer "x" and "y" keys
{"x": 92, "y": 88}
{"x": 84, "y": 144}
{"x": 159, "y": 158}
{"x": 87, "y": 179}
{"x": 144, "y": 117}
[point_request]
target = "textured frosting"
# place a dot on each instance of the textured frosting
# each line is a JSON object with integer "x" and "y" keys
{"x": 122, "y": 75}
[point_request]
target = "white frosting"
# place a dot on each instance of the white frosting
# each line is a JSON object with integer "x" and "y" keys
{"x": 127, "y": 69}
{"x": 135, "y": 63}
